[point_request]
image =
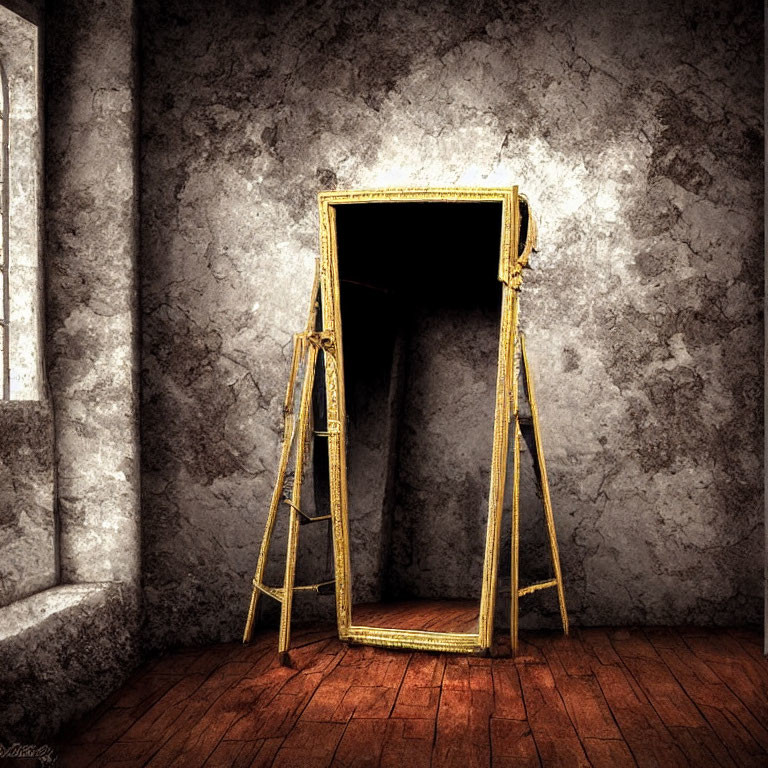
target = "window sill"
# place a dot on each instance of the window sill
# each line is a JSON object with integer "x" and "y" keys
{"x": 60, "y": 651}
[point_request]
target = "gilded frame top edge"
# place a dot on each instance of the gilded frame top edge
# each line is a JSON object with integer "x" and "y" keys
{"x": 416, "y": 194}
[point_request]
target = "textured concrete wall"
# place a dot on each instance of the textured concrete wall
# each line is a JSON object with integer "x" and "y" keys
{"x": 91, "y": 286}
{"x": 636, "y": 130}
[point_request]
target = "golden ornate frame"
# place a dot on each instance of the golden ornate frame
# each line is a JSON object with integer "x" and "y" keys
{"x": 511, "y": 262}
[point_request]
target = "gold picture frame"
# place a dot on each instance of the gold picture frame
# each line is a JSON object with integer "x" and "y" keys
{"x": 511, "y": 262}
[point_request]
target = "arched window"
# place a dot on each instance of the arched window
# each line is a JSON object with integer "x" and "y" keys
{"x": 5, "y": 368}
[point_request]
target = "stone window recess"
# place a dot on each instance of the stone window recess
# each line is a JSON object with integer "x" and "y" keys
{"x": 5, "y": 368}
{"x": 20, "y": 169}
{"x": 28, "y": 533}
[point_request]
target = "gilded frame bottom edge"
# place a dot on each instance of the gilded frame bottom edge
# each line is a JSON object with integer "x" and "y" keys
{"x": 415, "y": 639}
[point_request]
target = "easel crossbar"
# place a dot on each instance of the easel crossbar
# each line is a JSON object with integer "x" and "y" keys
{"x": 278, "y": 593}
{"x": 535, "y": 587}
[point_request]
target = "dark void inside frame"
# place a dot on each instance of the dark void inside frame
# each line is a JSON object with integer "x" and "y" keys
{"x": 420, "y": 313}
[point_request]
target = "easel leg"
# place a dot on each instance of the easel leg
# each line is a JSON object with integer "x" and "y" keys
{"x": 249, "y": 622}
{"x": 547, "y": 502}
{"x": 284, "y": 639}
{"x": 515, "y": 540}
{"x": 277, "y": 492}
{"x": 295, "y": 432}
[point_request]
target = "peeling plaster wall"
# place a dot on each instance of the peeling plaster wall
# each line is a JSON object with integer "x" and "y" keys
{"x": 635, "y": 129}
{"x": 91, "y": 286}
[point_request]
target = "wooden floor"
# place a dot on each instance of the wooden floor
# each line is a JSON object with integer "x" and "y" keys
{"x": 602, "y": 697}
{"x": 433, "y": 615}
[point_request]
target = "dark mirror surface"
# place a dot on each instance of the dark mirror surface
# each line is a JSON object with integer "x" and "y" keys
{"x": 420, "y": 307}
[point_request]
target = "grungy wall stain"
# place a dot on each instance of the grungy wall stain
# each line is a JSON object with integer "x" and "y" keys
{"x": 636, "y": 131}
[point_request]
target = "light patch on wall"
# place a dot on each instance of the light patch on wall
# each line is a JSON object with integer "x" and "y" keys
{"x": 552, "y": 181}
{"x": 393, "y": 176}
{"x": 473, "y": 177}
{"x": 607, "y": 202}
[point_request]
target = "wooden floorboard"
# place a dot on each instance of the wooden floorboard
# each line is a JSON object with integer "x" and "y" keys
{"x": 637, "y": 697}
